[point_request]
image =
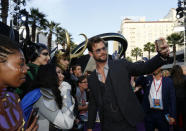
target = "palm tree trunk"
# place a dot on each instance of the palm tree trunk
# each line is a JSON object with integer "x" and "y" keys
{"x": 136, "y": 57}
{"x": 63, "y": 45}
{"x": 174, "y": 53}
{"x": 4, "y": 10}
{"x": 50, "y": 41}
{"x": 27, "y": 29}
{"x": 33, "y": 32}
{"x": 149, "y": 55}
{"x": 37, "y": 37}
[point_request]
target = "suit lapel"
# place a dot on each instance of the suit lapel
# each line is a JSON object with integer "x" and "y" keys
{"x": 113, "y": 79}
{"x": 96, "y": 86}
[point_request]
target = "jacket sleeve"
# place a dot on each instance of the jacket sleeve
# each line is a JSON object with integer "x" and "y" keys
{"x": 92, "y": 110}
{"x": 141, "y": 68}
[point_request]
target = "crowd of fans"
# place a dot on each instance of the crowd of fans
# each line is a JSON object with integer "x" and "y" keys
{"x": 60, "y": 93}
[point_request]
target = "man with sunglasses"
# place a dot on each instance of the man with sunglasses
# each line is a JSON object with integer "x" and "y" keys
{"x": 110, "y": 91}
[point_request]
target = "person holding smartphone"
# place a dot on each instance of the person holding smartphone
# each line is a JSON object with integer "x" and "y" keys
{"x": 110, "y": 90}
{"x": 12, "y": 74}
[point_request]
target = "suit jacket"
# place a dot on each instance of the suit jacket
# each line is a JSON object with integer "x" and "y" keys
{"x": 168, "y": 94}
{"x": 120, "y": 72}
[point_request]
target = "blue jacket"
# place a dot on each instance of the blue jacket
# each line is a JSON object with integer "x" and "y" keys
{"x": 168, "y": 94}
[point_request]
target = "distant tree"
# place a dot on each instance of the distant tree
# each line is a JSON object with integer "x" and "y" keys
{"x": 51, "y": 30}
{"x": 173, "y": 40}
{"x": 149, "y": 47}
{"x": 129, "y": 58}
{"x": 61, "y": 38}
{"x": 36, "y": 20}
{"x": 4, "y": 10}
{"x": 73, "y": 46}
{"x": 136, "y": 52}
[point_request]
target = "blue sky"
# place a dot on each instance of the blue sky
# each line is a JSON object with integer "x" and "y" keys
{"x": 94, "y": 17}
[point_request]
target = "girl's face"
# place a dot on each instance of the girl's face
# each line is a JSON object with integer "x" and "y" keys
{"x": 43, "y": 58}
{"x": 13, "y": 71}
{"x": 59, "y": 74}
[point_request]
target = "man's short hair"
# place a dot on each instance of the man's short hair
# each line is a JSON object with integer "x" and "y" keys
{"x": 81, "y": 78}
{"x": 75, "y": 66}
{"x": 92, "y": 41}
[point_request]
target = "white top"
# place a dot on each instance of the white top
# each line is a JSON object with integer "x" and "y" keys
{"x": 156, "y": 93}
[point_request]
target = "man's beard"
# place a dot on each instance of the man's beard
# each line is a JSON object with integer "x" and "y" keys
{"x": 100, "y": 60}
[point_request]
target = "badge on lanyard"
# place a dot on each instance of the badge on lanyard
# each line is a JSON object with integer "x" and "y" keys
{"x": 156, "y": 101}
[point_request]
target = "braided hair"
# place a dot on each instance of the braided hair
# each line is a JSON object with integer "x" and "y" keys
{"x": 7, "y": 47}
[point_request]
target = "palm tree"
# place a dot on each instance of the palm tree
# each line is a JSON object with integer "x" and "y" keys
{"x": 36, "y": 20}
{"x": 60, "y": 36}
{"x": 129, "y": 59}
{"x": 173, "y": 40}
{"x": 136, "y": 52}
{"x": 4, "y": 10}
{"x": 149, "y": 47}
{"x": 51, "y": 26}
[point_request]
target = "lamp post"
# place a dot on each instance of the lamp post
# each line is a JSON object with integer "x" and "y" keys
{"x": 184, "y": 23}
{"x": 181, "y": 13}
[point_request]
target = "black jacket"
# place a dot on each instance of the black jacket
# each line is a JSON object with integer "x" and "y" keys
{"x": 120, "y": 73}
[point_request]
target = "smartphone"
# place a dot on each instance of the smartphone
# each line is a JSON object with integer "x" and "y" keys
{"x": 167, "y": 118}
{"x": 32, "y": 117}
{"x": 159, "y": 43}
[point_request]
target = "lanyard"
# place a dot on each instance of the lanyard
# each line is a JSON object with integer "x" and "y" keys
{"x": 158, "y": 87}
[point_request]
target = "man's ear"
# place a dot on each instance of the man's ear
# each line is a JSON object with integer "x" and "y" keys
{"x": 90, "y": 53}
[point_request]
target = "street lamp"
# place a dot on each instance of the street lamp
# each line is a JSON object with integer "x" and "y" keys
{"x": 179, "y": 14}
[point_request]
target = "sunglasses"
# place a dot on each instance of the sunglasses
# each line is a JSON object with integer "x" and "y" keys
{"x": 99, "y": 50}
{"x": 45, "y": 53}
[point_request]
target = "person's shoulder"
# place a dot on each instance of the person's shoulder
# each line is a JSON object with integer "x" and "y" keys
{"x": 66, "y": 84}
{"x": 168, "y": 80}
{"x": 14, "y": 96}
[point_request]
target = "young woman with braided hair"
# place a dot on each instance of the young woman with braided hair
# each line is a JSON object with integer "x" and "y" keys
{"x": 12, "y": 73}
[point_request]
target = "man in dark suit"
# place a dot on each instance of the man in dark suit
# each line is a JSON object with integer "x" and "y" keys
{"x": 110, "y": 91}
{"x": 159, "y": 101}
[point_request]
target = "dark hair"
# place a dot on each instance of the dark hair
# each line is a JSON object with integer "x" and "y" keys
{"x": 37, "y": 49}
{"x": 7, "y": 47}
{"x": 75, "y": 66}
{"x": 47, "y": 78}
{"x": 177, "y": 75}
{"x": 81, "y": 78}
{"x": 92, "y": 41}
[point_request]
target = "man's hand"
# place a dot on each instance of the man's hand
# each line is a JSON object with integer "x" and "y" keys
{"x": 89, "y": 130}
{"x": 163, "y": 48}
{"x": 172, "y": 121}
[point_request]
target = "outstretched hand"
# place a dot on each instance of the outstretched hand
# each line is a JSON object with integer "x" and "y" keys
{"x": 163, "y": 49}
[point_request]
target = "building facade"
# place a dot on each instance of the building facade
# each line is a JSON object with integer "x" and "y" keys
{"x": 140, "y": 32}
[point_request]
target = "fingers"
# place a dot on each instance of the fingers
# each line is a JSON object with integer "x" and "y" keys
{"x": 33, "y": 126}
{"x": 164, "y": 49}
